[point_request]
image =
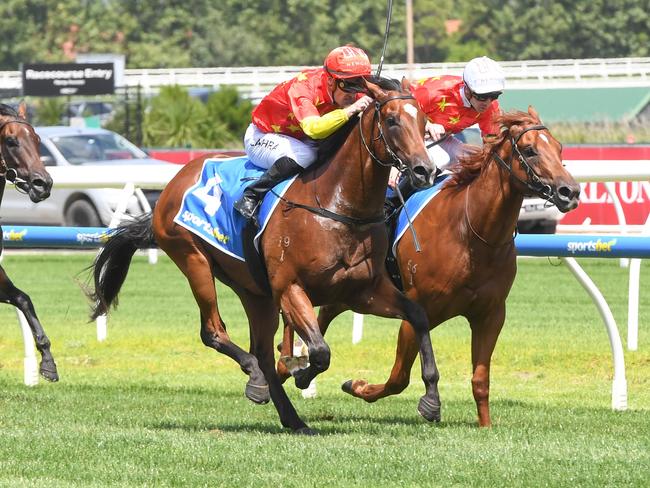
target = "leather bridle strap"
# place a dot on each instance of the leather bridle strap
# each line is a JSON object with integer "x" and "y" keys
{"x": 9, "y": 173}
{"x": 533, "y": 182}
{"x": 396, "y": 161}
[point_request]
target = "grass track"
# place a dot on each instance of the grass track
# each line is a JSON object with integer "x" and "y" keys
{"x": 153, "y": 407}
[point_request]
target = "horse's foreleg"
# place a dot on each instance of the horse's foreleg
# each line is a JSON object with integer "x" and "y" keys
{"x": 326, "y": 315}
{"x": 298, "y": 312}
{"x": 263, "y": 318}
{"x": 385, "y": 300}
{"x": 485, "y": 332}
{"x": 19, "y": 299}
{"x": 286, "y": 351}
{"x": 407, "y": 350}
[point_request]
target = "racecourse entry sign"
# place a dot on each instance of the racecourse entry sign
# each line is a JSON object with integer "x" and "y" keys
{"x": 53, "y": 80}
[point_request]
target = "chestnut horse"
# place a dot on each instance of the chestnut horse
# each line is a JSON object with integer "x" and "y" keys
{"x": 468, "y": 259}
{"x": 20, "y": 163}
{"x": 326, "y": 243}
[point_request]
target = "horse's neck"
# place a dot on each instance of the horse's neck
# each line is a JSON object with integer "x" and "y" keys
{"x": 492, "y": 204}
{"x": 352, "y": 183}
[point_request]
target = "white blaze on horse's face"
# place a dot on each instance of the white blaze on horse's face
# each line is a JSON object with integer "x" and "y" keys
{"x": 411, "y": 110}
{"x": 544, "y": 138}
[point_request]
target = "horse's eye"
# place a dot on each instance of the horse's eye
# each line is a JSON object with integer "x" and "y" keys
{"x": 391, "y": 121}
{"x": 529, "y": 152}
{"x": 12, "y": 142}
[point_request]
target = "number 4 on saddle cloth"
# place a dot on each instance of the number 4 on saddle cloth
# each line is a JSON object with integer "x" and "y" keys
{"x": 207, "y": 206}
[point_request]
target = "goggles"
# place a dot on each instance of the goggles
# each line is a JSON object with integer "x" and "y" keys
{"x": 487, "y": 96}
{"x": 351, "y": 85}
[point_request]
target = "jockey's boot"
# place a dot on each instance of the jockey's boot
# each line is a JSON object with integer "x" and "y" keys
{"x": 282, "y": 169}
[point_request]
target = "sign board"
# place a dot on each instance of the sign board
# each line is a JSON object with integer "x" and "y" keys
{"x": 118, "y": 60}
{"x": 53, "y": 80}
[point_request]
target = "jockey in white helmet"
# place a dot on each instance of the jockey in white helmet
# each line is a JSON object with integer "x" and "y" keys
{"x": 453, "y": 103}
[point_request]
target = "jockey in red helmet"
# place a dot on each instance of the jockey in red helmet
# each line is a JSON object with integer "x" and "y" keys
{"x": 289, "y": 120}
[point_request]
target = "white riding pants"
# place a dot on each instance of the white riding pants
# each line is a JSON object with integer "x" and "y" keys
{"x": 265, "y": 148}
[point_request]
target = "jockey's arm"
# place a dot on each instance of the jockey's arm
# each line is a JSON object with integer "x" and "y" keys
{"x": 321, "y": 126}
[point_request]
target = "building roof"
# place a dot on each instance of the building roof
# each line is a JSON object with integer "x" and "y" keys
{"x": 580, "y": 104}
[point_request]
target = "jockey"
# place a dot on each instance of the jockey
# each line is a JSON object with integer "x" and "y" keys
{"x": 297, "y": 113}
{"x": 453, "y": 103}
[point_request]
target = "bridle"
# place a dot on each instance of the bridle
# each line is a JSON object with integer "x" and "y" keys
{"x": 10, "y": 174}
{"x": 395, "y": 161}
{"x": 533, "y": 182}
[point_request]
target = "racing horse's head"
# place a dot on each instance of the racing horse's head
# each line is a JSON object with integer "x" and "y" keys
{"x": 20, "y": 162}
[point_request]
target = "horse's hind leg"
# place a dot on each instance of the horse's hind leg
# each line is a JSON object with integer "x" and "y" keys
{"x": 263, "y": 319}
{"x": 196, "y": 268}
{"x": 19, "y": 299}
{"x": 485, "y": 332}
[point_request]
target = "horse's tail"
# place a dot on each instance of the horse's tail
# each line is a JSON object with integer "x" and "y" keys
{"x": 112, "y": 263}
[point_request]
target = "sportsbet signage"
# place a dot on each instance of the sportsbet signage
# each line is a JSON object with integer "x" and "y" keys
{"x": 53, "y": 80}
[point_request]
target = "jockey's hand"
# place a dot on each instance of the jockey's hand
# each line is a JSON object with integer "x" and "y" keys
{"x": 358, "y": 106}
{"x": 435, "y": 131}
{"x": 393, "y": 177}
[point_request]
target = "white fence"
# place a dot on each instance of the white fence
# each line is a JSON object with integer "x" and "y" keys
{"x": 256, "y": 81}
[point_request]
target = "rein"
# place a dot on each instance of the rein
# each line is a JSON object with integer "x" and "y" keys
{"x": 396, "y": 161}
{"x": 10, "y": 174}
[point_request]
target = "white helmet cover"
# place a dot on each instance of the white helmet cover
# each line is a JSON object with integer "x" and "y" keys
{"x": 483, "y": 75}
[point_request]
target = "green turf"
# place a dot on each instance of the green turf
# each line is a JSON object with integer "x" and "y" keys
{"x": 152, "y": 406}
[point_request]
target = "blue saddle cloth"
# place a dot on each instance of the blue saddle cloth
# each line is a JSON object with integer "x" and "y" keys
{"x": 207, "y": 206}
{"x": 414, "y": 205}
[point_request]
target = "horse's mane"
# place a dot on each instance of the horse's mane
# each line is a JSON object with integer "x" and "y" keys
{"x": 470, "y": 166}
{"x": 327, "y": 147}
{"x": 8, "y": 110}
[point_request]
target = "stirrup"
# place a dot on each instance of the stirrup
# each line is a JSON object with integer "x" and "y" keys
{"x": 246, "y": 207}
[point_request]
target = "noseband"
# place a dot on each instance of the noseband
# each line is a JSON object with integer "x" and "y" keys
{"x": 395, "y": 160}
{"x": 533, "y": 182}
{"x": 10, "y": 174}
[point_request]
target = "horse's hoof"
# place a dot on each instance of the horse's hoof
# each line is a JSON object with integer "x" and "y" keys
{"x": 49, "y": 372}
{"x": 305, "y": 431}
{"x": 347, "y": 387}
{"x": 258, "y": 393}
{"x": 429, "y": 410}
{"x": 303, "y": 379}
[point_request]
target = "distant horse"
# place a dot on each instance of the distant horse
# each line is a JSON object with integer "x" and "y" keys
{"x": 468, "y": 259}
{"x": 21, "y": 164}
{"x": 326, "y": 243}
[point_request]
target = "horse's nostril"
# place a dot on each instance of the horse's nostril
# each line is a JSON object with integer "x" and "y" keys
{"x": 421, "y": 171}
{"x": 40, "y": 184}
{"x": 567, "y": 192}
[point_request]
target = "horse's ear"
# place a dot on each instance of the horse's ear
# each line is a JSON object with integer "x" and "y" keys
{"x": 533, "y": 113}
{"x": 406, "y": 84}
{"x": 22, "y": 110}
{"x": 374, "y": 91}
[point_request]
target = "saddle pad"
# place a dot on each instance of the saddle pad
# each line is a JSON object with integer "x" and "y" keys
{"x": 207, "y": 206}
{"x": 414, "y": 205}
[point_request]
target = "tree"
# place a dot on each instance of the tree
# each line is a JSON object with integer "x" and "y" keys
{"x": 545, "y": 29}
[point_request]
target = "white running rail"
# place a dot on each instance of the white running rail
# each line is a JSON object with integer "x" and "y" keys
{"x": 256, "y": 81}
